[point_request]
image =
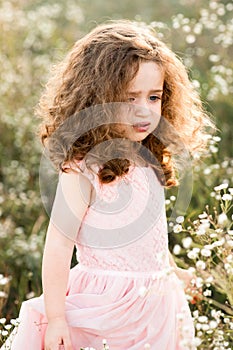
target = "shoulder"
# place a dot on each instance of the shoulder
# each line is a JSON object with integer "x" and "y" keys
{"x": 73, "y": 177}
{"x": 72, "y": 198}
{"x": 76, "y": 167}
{"x": 74, "y": 180}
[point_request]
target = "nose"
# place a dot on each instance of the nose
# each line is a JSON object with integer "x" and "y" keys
{"x": 142, "y": 110}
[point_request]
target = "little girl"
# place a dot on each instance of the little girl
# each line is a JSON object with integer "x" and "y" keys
{"x": 115, "y": 112}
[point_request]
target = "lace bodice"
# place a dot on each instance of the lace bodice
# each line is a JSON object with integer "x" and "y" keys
{"x": 125, "y": 227}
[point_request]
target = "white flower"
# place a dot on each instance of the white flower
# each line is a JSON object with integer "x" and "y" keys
{"x": 201, "y": 265}
{"x": 218, "y": 243}
{"x": 15, "y": 322}
{"x": 221, "y": 187}
{"x": 208, "y": 246}
{"x": 225, "y": 164}
{"x": 217, "y": 138}
{"x": 4, "y": 281}
{"x": 187, "y": 242}
{"x": 229, "y": 7}
{"x": 228, "y": 268}
{"x": 209, "y": 279}
{"x": 213, "y": 149}
{"x": 214, "y": 58}
{"x": 196, "y": 250}
{"x": 215, "y": 313}
{"x": 196, "y": 83}
{"x": 197, "y": 341}
{"x": 229, "y": 258}
{"x": 199, "y": 282}
{"x": 190, "y": 39}
{"x": 207, "y": 171}
{"x": 177, "y": 228}
{"x": 207, "y": 293}
{"x": 8, "y": 326}
{"x": 203, "y": 215}
{"x": 4, "y": 333}
{"x": 180, "y": 219}
{"x": 205, "y": 327}
{"x": 213, "y": 324}
{"x": 196, "y": 155}
{"x": 226, "y": 320}
{"x": 206, "y": 252}
{"x": 230, "y": 243}
{"x": 200, "y": 232}
{"x": 219, "y": 230}
{"x": 192, "y": 254}
{"x": 227, "y": 197}
{"x": 222, "y": 219}
{"x": 147, "y": 346}
{"x": 202, "y": 319}
{"x": 3, "y": 320}
{"x": 215, "y": 166}
{"x": 176, "y": 249}
{"x": 231, "y": 190}
{"x": 205, "y": 224}
{"x": 213, "y": 235}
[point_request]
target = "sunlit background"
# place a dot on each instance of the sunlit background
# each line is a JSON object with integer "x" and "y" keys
{"x": 37, "y": 34}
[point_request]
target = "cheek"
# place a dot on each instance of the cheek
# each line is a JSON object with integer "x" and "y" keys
{"x": 157, "y": 110}
{"x": 156, "y": 118}
{"x": 158, "y": 107}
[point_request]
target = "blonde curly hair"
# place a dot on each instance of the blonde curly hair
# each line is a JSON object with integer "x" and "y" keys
{"x": 98, "y": 71}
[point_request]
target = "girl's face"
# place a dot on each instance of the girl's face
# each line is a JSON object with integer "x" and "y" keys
{"x": 145, "y": 94}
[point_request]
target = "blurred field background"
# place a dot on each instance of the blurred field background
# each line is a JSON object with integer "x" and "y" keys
{"x": 37, "y": 34}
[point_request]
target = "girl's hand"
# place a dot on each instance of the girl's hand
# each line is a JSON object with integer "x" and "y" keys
{"x": 185, "y": 276}
{"x": 189, "y": 281}
{"x": 57, "y": 335}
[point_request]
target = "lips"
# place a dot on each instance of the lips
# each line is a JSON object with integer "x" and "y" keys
{"x": 141, "y": 127}
{"x": 141, "y": 124}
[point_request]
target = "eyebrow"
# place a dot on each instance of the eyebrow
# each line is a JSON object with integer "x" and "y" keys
{"x": 139, "y": 92}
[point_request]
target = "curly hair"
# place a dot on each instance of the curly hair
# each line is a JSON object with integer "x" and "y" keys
{"x": 97, "y": 72}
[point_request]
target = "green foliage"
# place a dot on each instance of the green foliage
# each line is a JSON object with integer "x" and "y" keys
{"x": 34, "y": 36}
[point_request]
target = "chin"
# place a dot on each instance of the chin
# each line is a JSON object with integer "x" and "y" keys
{"x": 140, "y": 138}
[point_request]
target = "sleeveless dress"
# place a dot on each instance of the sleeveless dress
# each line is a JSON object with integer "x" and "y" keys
{"x": 123, "y": 288}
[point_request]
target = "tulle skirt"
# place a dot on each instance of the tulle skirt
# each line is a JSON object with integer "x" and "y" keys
{"x": 131, "y": 310}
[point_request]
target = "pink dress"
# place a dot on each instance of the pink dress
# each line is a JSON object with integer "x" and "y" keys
{"x": 123, "y": 288}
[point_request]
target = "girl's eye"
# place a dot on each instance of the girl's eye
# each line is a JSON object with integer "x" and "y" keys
{"x": 154, "y": 98}
{"x": 131, "y": 99}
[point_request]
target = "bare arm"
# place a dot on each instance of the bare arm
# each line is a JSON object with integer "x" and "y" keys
{"x": 172, "y": 262}
{"x": 184, "y": 275}
{"x": 70, "y": 204}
